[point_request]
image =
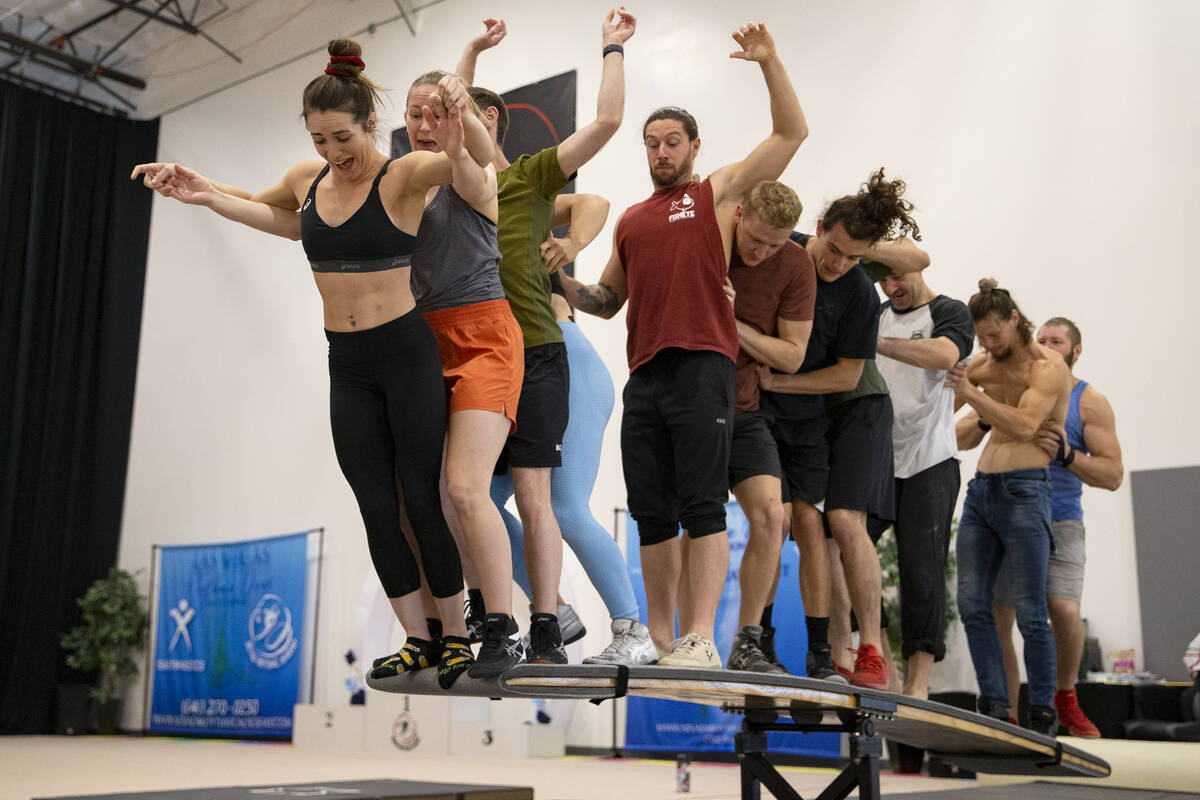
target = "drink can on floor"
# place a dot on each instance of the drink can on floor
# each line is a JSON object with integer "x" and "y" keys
{"x": 683, "y": 773}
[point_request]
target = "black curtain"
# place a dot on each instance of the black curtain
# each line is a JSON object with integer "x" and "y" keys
{"x": 73, "y": 235}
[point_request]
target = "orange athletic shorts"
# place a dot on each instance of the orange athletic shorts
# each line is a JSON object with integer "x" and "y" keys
{"x": 483, "y": 356}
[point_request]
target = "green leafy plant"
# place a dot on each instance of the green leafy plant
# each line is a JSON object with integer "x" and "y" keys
{"x": 114, "y": 628}
{"x": 889, "y": 565}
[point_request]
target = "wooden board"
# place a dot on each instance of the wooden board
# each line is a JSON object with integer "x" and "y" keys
{"x": 332, "y": 790}
{"x": 973, "y": 740}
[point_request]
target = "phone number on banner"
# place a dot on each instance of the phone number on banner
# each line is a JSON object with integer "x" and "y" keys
{"x": 218, "y": 707}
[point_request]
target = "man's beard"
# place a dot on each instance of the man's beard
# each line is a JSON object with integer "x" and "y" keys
{"x": 674, "y": 178}
{"x": 1070, "y": 358}
{"x": 1003, "y": 355}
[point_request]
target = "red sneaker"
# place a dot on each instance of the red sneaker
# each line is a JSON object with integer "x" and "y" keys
{"x": 869, "y": 670}
{"x": 1066, "y": 703}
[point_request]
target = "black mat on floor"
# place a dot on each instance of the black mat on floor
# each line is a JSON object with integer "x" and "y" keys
{"x": 332, "y": 790}
{"x": 1050, "y": 791}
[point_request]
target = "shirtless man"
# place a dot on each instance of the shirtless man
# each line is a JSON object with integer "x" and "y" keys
{"x": 1015, "y": 386}
{"x": 1084, "y": 450}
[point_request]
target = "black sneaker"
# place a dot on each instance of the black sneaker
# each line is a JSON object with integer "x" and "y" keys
{"x": 819, "y": 664}
{"x": 746, "y": 654}
{"x": 474, "y": 613}
{"x": 545, "y": 641}
{"x": 456, "y": 660}
{"x": 500, "y": 649}
{"x": 416, "y": 654}
{"x": 1043, "y": 720}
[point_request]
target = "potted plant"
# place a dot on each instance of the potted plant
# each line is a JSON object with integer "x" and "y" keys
{"x": 114, "y": 628}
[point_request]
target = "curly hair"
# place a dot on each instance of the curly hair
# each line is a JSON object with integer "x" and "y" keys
{"x": 992, "y": 300}
{"x": 876, "y": 212}
{"x": 343, "y": 86}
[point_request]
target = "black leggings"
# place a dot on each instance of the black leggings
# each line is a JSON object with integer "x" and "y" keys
{"x": 387, "y": 408}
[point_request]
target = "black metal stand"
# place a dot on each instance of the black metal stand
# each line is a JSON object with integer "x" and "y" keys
{"x": 866, "y": 748}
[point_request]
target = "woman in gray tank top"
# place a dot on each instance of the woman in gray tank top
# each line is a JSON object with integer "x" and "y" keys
{"x": 456, "y": 283}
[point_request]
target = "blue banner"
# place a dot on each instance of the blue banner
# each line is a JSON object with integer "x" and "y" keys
{"x": 674, "y": 726}
{"x": 229, "y": 637}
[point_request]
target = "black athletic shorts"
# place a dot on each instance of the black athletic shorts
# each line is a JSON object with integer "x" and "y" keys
{"x": 861, "y": 476}
{"x": 543, "y": 411}
{"x": 676, "y": 431}
{"x": 753, "y": 451}
{"x": 803, "y": 458}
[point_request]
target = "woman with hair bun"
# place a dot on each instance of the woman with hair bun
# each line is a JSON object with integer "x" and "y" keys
{"x": 359, "y": 213}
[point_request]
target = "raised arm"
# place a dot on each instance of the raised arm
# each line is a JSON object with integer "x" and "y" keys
{"x": 586, "y": 214}
{"x": 783, "y": 352}
{"x": 605, "y": 298}
{"x": 899, "y": 255}
{"x": 190, "y": 187}
{"x": 1047, "y": 381}
{"x": 788, "y": 126}
{"x": 937, "y": 353}
{"x": 578, "y": 148}
{"x": 1102, "y": 466}
{"x": 494, "y": 31}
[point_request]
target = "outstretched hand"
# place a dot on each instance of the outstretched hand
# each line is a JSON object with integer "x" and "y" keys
{"x": 618, "y": 26}
{"x": 176, "y": 181}
{"x": 494, "y": 32}
{"x": 756, "y": 43}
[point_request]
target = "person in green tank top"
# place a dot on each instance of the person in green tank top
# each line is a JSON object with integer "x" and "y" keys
{"x": 527, "y": 191}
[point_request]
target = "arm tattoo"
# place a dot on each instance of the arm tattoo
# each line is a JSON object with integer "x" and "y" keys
{"x": 600, "y": 300}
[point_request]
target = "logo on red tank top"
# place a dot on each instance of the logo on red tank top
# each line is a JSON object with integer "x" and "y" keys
{"x": 683, "y": 208}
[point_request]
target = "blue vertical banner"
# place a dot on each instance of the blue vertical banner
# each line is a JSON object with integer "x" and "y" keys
{"x": 674, "y": 726}
{"x": 229, "y": 637}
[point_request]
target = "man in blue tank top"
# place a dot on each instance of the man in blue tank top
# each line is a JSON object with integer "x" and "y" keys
{"x": 1085, "y": 450}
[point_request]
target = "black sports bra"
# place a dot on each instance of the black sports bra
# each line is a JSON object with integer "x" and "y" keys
{"x": 366, "y": 242}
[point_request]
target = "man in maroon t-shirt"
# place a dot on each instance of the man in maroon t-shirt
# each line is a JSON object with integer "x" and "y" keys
{"x": 670, "y": 261}
{"x": 776, "y": 285}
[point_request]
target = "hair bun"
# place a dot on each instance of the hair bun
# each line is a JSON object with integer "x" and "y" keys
{"x": 988, "y": 284}
{"x": 345, "y": 58}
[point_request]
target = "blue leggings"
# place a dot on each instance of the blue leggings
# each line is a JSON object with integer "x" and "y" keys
{"x": 571, "y": 484}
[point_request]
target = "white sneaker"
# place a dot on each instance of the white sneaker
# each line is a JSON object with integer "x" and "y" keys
{"x": 693, "y": 651}
{"x": 630, "y": 646}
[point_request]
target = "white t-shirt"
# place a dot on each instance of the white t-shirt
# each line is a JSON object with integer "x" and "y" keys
{"x": 923, "y": 430}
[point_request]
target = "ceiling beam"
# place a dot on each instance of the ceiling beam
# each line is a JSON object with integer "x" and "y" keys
{"x": 79, "y": 65}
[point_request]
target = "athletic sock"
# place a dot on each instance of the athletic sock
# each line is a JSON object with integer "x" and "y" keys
{"x": 476, "y": 598}
{"x": 766, "y": 616}
{"x": 818, "y": 631}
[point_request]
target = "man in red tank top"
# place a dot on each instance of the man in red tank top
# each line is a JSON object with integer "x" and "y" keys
{"x": 671, "y": 255}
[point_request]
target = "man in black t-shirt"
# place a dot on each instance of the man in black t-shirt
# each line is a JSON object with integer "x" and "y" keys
{"x": 825, "y": 455}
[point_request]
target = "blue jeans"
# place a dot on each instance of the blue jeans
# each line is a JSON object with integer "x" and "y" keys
{"x": 1007, "y": 515}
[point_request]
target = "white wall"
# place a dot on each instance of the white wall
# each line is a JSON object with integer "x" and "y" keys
{"x": 1048, "y": 144}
